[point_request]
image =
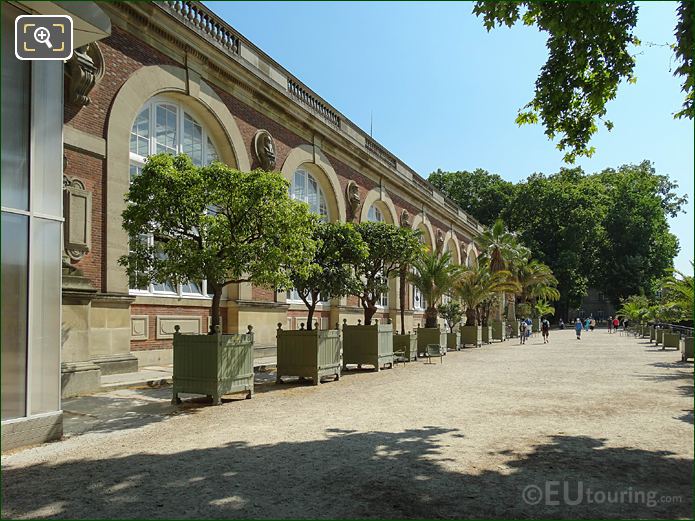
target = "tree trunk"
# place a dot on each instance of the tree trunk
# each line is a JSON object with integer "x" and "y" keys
{"x": 431, "y": 316}
{"x": 215, "y": 309}
{"x": 401, "y": 294}
{"x": 310, "y": 316}
{"x": 369, "y": 311}
{"x": 470, "y": 317}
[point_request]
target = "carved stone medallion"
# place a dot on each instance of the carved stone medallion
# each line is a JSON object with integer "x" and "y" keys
{"x": 264, "y": 148}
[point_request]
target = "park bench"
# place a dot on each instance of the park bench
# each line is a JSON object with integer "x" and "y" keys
{"x": 434, "y": 350}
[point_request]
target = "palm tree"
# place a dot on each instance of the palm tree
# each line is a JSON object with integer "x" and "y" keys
{"x": 499, "y": 246}
{"x": 679, "y": 294}
{"x": 434, "y": 276}
{"x": 502, "y": 250}
{"x": 536, "y": 281}
{"x": 543, "y": 308}
{"x": 478, "y": 286}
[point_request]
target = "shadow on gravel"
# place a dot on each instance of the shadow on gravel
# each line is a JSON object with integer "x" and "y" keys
{"x": 356, "y": 475}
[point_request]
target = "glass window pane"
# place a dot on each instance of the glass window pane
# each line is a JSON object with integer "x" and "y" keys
{"x": 140, "y": 133}
{"x": 16, "y": 93}
{"x": 165, "y": 136}
{"x": 192, "y": 140}
{"x": 45, "y": 316}
{"x": 298, "y": 189}
{"x": 211, "y": 153}
{"x": 191, "y": 288}
{"x": 15, "y": 276}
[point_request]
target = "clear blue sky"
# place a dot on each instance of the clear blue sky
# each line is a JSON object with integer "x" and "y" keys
{"x": 444, "y": 93}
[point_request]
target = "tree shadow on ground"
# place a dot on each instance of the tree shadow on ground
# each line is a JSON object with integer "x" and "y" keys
{"x": 351, "y": 474}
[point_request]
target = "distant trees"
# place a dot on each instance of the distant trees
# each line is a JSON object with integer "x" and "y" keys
{"x": 608, "y": 230}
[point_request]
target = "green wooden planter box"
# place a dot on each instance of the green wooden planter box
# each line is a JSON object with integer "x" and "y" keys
{"x": 645, "y": 331}
{"x": 652, "y": 333}
{"x": 487, "y": 334}
{"x": 213, "y": 365}
{"x": 453, "y": 341}
{"x": 471, "y": 336}
{"x": 659, "y": 336}
{"x": 671, "y": 340}
{"x": 499, "y": 330}
{"x": 407, "y": 344}
{"x": 370, "y": 345}
{"x": 308, "y": 354}
{"x": 686, "y": 345}
{"x": 430, "y": 335}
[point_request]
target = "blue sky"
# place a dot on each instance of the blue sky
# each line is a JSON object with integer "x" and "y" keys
{"x": 444, "y": 93}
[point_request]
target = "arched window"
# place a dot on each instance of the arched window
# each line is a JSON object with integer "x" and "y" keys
{"x": 374, "y": 215}
{"x": 307, "y": 189}
{"x": 165, "y": 126}
{"x": 418, "y": 301}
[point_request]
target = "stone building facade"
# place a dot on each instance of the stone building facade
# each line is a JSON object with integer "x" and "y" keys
{"x": 172, "y": 76}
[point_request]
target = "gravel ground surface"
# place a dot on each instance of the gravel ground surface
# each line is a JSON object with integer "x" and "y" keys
{"x": 591, "y": 429}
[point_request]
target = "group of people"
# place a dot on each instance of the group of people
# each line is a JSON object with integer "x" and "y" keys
{"x": 614, "y": 324}
{"x": 525, "y": 328}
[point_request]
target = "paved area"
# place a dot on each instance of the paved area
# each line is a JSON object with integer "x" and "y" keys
{"x": 601, "y": 427}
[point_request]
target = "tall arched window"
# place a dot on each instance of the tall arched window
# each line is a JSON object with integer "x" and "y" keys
{"x": 307, "y": 189}
{"x": 165, "y": 126}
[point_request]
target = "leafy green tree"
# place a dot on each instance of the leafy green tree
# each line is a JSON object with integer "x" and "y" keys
{"x": 434, "y": 276}
{"x": 480, "y": 193}
{"x": 542, "y": 308}
{"x": 389, "y": 247}
{"x": 559, "y": 218}
{"x": 452, "y": 313}
{"x": 330, "y": 275}
{"x": 536, "y": 284}
{"x": 214, "y": 223}
{"x": 588, "y": 56}
{"x": 639, "y": 249}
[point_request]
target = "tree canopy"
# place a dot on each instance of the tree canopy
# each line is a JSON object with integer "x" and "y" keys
{"x": 214, "y": 223}
{"x": 608, "y": 229}
{"x": 590, "y": 51}
{"x": 389, "y": 247}
{"x": 330, "y": 275}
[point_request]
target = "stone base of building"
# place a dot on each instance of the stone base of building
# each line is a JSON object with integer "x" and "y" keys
{"x": 148, "y": 357}
{"x": 79, "y": 378}
{"x": 116, "y": 364}
{"x": 21, "y": 432}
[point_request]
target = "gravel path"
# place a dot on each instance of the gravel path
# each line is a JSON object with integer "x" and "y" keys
{"x": 502, "y": 431}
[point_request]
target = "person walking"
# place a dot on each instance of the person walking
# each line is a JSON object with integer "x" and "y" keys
{"x": 610, "y": 325}
{"x": 616, "y": 324}
{"x": 592, "y": 324}
{"x": 545, "y": 329}
{"x": 522, "y": 332}
{"x": 578, "y": 328}
{"x": 586, "y": 324}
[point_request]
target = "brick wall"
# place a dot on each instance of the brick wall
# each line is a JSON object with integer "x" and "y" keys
{"x": 90, "y": 170}
{"x": 173, "y": 310}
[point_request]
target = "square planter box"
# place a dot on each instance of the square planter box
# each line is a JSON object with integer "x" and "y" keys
{"x": 308, "y": 354}
{"x": 471, "y": 336}
{"x": 213, "y": 365}
{"x": 659, "y": 336}
{"x": 652, "y": 333}
{"x": 407, "y": 344}
{"x": 499, "y": 330}
{"x": 686, "y": 348}
{"x": 536, "y": 325}
{"x": 430, "y": 335}
{"x": 370, "y": 345}
{"x": 487, "y": 334}
{"x": 671, "y": 340}
{"x": 453, "y": 341}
